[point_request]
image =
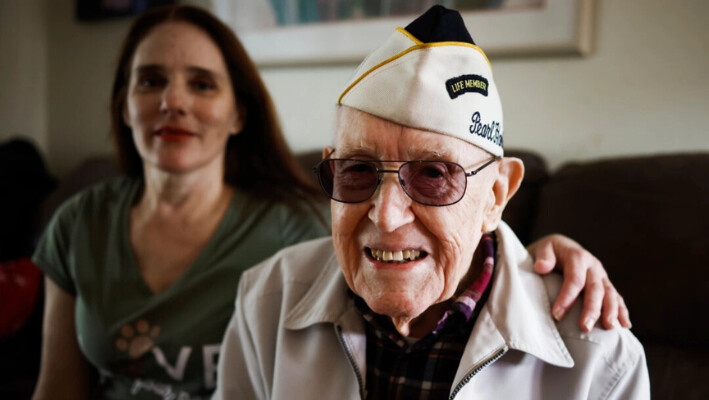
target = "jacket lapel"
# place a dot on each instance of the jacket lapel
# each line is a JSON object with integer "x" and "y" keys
{"x": 519, "y": 308}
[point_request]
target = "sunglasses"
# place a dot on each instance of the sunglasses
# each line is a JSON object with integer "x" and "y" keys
{"x": 431, "y": 183}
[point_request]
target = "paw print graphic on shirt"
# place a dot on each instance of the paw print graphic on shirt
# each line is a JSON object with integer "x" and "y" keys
{"x": 138, "y": 339}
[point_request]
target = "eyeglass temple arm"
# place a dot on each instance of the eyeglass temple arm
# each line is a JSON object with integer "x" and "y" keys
{"x": 316, "y": 167}
{"x": 480, "y": 168}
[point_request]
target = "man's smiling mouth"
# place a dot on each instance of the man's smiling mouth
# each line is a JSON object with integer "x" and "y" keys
{"x": 400, "y": 256}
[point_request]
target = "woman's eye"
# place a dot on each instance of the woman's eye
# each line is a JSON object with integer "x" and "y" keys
{"x": 203, "y": 85}
{"x": 150, "y": 81}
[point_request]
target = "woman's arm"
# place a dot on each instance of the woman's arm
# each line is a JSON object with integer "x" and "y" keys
{"x": 582, "y": 271}
{"x": 64, "y": 373}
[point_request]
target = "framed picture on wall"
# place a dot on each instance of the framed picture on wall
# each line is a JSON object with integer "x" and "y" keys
{"x": 292, "y": 32}
{"x": 93, "y": 10}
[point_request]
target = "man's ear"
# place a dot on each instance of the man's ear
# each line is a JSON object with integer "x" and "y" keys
{"x": 326, "y": 151}
{"x": 509, "y": 178}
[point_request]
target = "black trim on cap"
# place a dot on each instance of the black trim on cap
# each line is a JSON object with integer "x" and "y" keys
{"x": 439, "y": 24}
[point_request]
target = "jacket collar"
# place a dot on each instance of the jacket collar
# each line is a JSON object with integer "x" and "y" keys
{"x": 516, "y": 315}
{"x": 326, "y": 300}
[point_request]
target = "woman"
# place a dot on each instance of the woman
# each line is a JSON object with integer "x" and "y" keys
{"x": 142, "y": 271}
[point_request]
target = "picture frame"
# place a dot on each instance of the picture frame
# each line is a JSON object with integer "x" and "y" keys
{"x": 98, "y": 10}
{"x": 558, "y": 27}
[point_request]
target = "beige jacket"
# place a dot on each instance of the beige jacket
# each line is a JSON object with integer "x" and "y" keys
{"x": 295, "y": 334}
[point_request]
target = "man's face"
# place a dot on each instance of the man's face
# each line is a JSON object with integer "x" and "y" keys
{"x": 445, "y": 237}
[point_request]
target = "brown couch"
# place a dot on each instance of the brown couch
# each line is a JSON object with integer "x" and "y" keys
{"x": 646, "y": 218}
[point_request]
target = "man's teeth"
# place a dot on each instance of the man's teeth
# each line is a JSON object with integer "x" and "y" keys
{"x": 405, "y": 255}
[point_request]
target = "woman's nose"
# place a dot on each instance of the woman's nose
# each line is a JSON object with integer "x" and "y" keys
{"x": 174, "y": 99}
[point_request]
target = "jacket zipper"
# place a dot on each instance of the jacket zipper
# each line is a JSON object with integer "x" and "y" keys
{"x": 357, "y": 372}
{"x": 475, "y": 371}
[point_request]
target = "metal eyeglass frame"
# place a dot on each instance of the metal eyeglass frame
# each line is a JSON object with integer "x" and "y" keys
{"x": 316, "y": 171}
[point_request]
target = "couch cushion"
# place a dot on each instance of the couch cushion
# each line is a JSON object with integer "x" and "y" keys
{"x": 521, "y": 210}
{"x": 677, "y": 373}
{"x": 91, "y": 171}
{"x": 646, "y": 219}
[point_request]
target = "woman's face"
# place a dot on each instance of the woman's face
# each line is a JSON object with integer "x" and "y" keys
{"x": 180, "y": 104}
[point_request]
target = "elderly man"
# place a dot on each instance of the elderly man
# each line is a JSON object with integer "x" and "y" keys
{"x": 422, "y": 291}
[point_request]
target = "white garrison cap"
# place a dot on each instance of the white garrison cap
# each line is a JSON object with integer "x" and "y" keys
{"x": 431, "y": 76}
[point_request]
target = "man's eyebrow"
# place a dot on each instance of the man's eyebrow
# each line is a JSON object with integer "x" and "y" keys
{"x": 357, "y": 150}
{"x": 428, "y": 154}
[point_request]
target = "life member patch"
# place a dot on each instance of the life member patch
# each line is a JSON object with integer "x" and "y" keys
{"x": 466, "y": 84}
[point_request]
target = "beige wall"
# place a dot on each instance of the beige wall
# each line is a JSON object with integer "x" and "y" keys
{"x": 23, "y": 71}
{"x": 81, "y": 64}
{"x": 644, "y": 89}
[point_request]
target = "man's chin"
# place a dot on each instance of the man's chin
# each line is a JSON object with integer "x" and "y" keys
{"x": 398, "y": 308}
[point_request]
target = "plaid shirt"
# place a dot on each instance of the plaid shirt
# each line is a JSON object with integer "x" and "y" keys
{"x": 425, "y": 369}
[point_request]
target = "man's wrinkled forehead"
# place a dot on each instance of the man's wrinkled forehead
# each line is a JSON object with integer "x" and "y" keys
{"x": 359, "y": 133}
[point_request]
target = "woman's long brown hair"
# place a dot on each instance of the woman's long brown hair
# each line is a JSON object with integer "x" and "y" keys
{"x": 258, "y": 159}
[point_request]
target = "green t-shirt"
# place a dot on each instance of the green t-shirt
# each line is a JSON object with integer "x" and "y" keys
{"x": 166, "y": 345}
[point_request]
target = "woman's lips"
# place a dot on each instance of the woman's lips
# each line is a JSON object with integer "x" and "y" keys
{"x": 174, "y": 134}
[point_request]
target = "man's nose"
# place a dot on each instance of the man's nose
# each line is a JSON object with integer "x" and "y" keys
{"x": 391, "y": 207}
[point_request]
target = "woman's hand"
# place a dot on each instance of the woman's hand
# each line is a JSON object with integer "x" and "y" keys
{"x": 581, "y": 271}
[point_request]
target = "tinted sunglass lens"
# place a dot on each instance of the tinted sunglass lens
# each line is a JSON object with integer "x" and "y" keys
{"x": 325, "y": 177}
{"x": 348, "y": 181}
{"x": 433, "y": 182}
